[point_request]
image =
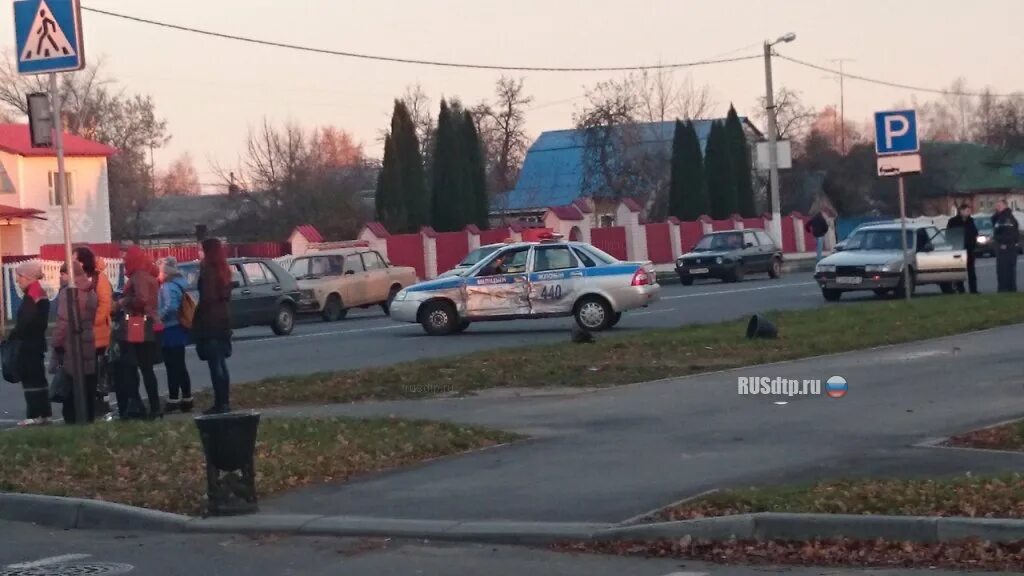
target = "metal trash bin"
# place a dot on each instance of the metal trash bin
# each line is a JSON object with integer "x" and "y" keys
{"x": 229, "y": 444}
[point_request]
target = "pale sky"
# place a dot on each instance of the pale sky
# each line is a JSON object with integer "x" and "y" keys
{"x": 212, "y": 91}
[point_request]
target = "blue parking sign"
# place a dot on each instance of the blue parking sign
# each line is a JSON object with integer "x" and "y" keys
{"x": 896, "y": 132}
{"x": 48, "y": 36}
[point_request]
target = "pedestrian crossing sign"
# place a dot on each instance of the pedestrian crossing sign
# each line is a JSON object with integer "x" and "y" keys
{"x": 48, "y": 36}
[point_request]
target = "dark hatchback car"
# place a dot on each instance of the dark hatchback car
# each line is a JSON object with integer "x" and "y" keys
{"x": 730, "y": 256}
{"x": 264, "y": 294}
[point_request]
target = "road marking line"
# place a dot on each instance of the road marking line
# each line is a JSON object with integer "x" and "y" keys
{"x": 50, "y": 561}
{"x": 658, "y": 311}
{"x": 738, "y": 290}
{"x": 688, "y": 574}
{"x": 319, "y": 334}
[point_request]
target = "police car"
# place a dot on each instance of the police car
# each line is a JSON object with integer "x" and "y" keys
{"x": 525, "y": 280}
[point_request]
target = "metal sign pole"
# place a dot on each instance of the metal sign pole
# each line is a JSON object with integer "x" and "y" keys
{"x": 74, "y": 353}
{"x": 903, "y": 241}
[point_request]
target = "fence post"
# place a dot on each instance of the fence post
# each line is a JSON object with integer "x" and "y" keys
{"x": 473, "y": 233}
{"x": 674, "y": 237}
{"x": 429, "y": 252}
{"x": 705, "y": 224}
{"x": 798, "y": 232}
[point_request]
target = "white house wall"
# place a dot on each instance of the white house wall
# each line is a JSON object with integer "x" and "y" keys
{"x": 90, "y": 212}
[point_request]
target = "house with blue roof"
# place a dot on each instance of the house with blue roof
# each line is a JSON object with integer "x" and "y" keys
{"x": 558, "y": 169}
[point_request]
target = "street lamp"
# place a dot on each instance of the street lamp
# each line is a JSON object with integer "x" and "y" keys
{"x": 773, "y": 146}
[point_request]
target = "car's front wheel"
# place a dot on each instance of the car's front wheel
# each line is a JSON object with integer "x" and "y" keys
{"x": 775, "y": 270}
{"x": 386, "y": 306}
{"x": 333, "y": 310}
{"x": 284, "y": 322}
{"x": 439, "y": 319}
{"x": 686, "y": 279}
{"x": 831, "y": 294}
{"x": 947, "y": 288}
{"x": 902, "y": 288}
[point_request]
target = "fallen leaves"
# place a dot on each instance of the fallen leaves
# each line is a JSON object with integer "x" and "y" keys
{"x": 965, "y": 555}
{"x": 969, "y": 495}
{"x": 160, "y": 465}
{"x": 1004, "y": 437}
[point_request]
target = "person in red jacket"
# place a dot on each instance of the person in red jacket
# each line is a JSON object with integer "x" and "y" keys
{"x": 140, "y": 301}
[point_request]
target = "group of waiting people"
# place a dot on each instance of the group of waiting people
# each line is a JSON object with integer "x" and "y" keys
{"x": 153, "y": 298}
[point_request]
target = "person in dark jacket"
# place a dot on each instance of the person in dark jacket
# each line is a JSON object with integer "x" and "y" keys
{"x": 211, "y": 326}
{"x": 173, "y": 287}
{"x": 30, "y": 332}
{"x": 818, "y": 227}
{"x": 65, "y": 346}
{"x": 1006, "y": 235}
{"x": 140, "y": 299}
{"x": 962, "y": 227}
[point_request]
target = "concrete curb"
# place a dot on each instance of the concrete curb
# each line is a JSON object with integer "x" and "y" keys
{"x": 74, "y": 513}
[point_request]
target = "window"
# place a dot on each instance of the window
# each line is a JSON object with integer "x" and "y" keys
{"x": 236, "y": 275}
{"x": 749, "y": 239}
{"x": 327, "y": 266}
{"x": 764, "y": 239}
{"x": 607, "y": 221}
{"x": 70, "y": 183}
{"x": 353, "y": 264}
{"x": 553, "y": 258}
{"x": 373, "y": 261}
{"x": 586, "y": 259}
{"x": 508, "y": 262}
{"x": 596, "y": 254}
{"x": 299, "y": 267}
{"x": 257, "y": 273}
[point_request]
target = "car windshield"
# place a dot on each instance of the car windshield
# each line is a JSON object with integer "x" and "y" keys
{"x": 878, "y": 240}
{"x": 719, "y": 242}
{"x": 983, "y": 224}
{"x": 477, "y": 255}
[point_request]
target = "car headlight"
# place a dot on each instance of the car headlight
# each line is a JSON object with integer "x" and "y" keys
{"x": 825, "y": 268}
{"x": 881, "y": 267}
{"x": 983, "y": 239}
{"x": 719, "y": 260}
{"x": 402, "y": 295}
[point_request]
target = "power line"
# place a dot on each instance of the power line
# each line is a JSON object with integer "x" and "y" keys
{"x": 414, "y": 61}
{"x": 890, "y": 84}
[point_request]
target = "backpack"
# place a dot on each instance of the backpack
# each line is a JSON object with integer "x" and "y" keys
{"x": 187, "y": 309}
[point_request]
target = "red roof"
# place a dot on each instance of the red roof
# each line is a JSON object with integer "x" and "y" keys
{"x": 631, "y": 204}
{"x": 583, "y": 205}
{"x": 568, "y": 213}
{"x": 15, "y": 138}
{"x": 377, "y": 229}
{"x": 11, "y": 212}
{"x": 310, "y": 233}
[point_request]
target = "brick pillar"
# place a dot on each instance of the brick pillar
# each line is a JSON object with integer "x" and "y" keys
{"x": 674, "y": 237}
{"x": 429, "y": 252}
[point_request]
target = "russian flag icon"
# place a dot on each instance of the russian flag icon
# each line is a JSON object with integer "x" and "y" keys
{"x": 836, "y": 387}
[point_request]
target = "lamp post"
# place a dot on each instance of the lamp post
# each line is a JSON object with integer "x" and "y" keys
{"x": 773, "y": 145}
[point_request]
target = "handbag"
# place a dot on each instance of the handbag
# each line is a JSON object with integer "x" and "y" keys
{"x": 9, "y": 352}
{"x": 138, "y": 329}
{"x": 60, "y": 387}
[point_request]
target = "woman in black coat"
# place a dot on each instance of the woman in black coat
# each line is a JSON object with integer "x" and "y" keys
{"x": 30, "y": 332}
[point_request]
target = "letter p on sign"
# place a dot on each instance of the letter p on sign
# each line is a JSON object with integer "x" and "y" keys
{"x": 896, "y": 132}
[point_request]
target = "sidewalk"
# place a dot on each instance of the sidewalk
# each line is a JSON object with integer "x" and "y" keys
{"x": 606, "y": 456}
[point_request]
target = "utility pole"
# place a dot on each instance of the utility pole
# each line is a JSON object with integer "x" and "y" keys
{"x": 773, "y": 137}
{"x": 842, "y": 101}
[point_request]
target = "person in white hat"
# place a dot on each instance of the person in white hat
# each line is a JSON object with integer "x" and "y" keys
{"x": 30, "y": 334}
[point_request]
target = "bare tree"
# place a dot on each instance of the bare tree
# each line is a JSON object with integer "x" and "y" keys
{"x": 793, "y": 118}
{"x": 180, "y": 178}
{"x": 418, "y": 103}
{"x": 502, "y": 128}
{"x": 663, "y": 98}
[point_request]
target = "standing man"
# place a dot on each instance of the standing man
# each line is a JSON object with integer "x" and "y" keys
{"x": 1006, "y": 236}
{"x": 818, "y": 227}
{"x": 963, "y": 223}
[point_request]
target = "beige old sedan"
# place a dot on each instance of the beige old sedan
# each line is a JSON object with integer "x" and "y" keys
{"x": 333, "y": 282}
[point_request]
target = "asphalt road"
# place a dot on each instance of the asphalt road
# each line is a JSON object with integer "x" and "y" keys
{"x": 31, "y": 551}
{"x": 614, "y": 454}
{"x": 368, "y": 338}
